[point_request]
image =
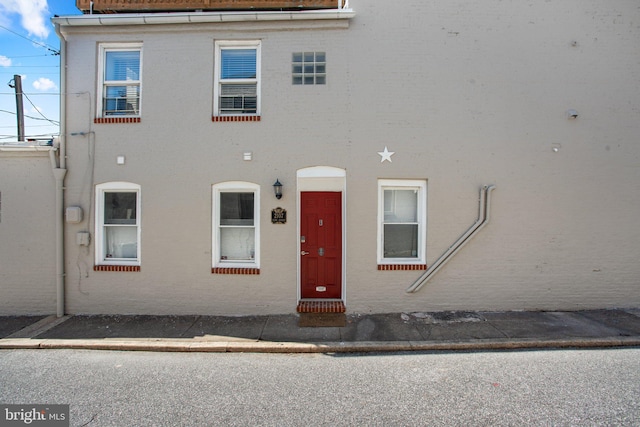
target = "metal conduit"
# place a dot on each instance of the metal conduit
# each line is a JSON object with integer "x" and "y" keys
{"x": 484, "y": 210}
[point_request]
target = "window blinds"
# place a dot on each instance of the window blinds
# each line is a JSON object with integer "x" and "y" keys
{"x": 238, "y": 64}
{"x": 122, "y": 65}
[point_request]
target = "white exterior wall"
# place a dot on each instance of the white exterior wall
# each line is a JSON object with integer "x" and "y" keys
{"x": 27, "y": 233}
{"x": 464, "y": 94}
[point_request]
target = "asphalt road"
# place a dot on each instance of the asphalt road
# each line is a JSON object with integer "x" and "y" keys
{"x": 105, "y": 388}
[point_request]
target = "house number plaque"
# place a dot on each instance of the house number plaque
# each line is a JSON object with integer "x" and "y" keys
{"x": 279, "y": 216}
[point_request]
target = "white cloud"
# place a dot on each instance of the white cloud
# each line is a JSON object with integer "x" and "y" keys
{"x": 32, "y": 14}
{"x": 4, "y": 61}
{"x": 34, "y": 110}
{"x": 44, "y": 84}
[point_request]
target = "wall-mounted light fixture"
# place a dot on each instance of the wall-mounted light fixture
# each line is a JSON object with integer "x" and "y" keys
{"x": 277, "y": 189}
{"x": 572, "y": 114}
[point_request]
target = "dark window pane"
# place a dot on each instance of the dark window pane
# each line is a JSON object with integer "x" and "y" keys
{"x": 400, "y": 240}
{"x": 236, "y": 208}
{"x": 120, "y": 208}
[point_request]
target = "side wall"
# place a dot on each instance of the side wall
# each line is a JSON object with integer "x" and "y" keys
{"x": 464, "y": 94}
{"x": 27, "y": 234}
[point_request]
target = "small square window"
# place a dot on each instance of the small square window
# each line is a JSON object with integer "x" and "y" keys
{"x": 308, "y": 68}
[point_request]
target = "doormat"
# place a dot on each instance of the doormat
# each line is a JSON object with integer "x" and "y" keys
{"x": 322, "y": 320}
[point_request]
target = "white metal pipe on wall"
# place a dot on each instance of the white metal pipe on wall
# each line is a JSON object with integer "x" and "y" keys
{"x": 59, "y": 172}
{"x": 484, "y": 210}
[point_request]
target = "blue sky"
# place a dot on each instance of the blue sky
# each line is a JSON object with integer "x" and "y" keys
{"x": 28, "y": 43}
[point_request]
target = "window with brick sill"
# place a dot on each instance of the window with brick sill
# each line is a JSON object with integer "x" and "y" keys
{"x": 236, "y": 233}
{"x": 237, "y": 81}
{"x": 117, "y": 246}
{"x": 119, "y": 89}
{"x": 402, "y": 224}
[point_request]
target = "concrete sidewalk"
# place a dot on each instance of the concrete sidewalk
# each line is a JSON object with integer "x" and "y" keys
{"x": 419, "y": 331}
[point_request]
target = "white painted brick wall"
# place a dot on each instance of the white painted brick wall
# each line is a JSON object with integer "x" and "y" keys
{"x": 466, "y": 94}
{"x": 27, "y": 252}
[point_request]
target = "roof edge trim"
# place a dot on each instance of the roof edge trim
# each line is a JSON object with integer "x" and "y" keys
{"x": 199, "y": 17}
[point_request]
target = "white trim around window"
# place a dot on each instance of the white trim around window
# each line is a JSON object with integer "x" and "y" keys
{"x": 402, "y": 221}
{"x": 118, "y": 219}
{"x": 236, "y": 225}
{"x": 236, "y": 90}
{"x": 119, "y": 80}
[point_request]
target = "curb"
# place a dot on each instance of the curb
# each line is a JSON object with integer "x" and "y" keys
{"x": 188, "y": 345}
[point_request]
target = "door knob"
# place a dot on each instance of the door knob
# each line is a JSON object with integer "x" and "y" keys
{"x": 304, "y": 253}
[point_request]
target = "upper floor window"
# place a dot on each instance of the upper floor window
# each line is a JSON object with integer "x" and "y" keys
{"x": 237, "y": 78}
{"x": 118, "y": 223}
{"x": 120, "y": 66}
{"x": 402, "y": 217}
{"x": 309, "y": 68}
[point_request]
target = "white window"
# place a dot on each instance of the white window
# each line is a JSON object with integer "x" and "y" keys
{"x": 236, "y": 223}
{"x": 119, "y": 89}
{"x": 237, "y": 78}
{"x": 118, "y": 223}
{"x": 402, "y": 217}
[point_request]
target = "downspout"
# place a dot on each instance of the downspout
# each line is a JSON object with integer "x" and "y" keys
{"x": 484, "y": 211}
{"x": 59, "y": 172}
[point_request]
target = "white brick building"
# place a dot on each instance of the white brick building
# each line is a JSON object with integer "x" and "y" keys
{"x": 383, "y": 121}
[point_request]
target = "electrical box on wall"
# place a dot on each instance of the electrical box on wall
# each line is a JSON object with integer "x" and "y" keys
{"x": 73, "y": 214}
{"x": 83, "y": 238}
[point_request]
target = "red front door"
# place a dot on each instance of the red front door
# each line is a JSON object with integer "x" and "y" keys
{"x": 321, "y": 244}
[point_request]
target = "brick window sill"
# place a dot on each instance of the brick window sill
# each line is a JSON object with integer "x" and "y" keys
{"x": 109, "y": 120}
{"x": 134, "y": 268}
{"x": 235, "y": 270}
{"x": 235, "y": 118}
{"x": 406, "y": 267}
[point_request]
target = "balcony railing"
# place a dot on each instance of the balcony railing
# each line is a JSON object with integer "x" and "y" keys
{"x": 149, "y": 6}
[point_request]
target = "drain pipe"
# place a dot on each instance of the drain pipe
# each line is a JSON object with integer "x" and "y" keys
{"x": 484, "y": 210}
{"x": 59, "y": 171}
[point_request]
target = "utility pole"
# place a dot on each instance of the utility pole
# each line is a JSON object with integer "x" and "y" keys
{"x": 17, "y": 85}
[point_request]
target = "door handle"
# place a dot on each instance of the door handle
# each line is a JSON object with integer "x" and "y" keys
{"x": 304, "y": 253}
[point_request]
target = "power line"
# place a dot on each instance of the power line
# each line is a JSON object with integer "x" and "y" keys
{"x": 27, "y": 137}
{"x": 55, "y": 123}
{"x": 30, "y": 126}
{"x": 39, "y": 112}
{"x": 32, "y": 66}
{"x": 49, "y": 48}
{"x": 38, "y": 94}
{"x": 26, "y": 56}
{"x": 40, "y": 73}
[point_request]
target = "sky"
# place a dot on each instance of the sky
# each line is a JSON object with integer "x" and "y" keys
{"x": 28, "y": 47}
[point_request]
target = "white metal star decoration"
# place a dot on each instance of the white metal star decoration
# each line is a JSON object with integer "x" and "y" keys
{"x": 386, "y": 154}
